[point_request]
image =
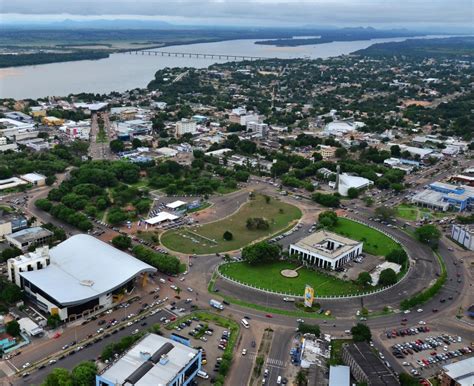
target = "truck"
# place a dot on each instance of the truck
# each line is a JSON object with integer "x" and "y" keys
{"x": 216, "y": 304}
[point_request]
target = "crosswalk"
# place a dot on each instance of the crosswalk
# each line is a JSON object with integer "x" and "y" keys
{"x": 275, "y": 362}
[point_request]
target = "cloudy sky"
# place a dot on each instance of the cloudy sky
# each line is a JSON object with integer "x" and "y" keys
{"x": 377, "y": 13}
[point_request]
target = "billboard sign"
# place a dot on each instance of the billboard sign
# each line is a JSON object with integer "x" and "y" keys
{"x": 308, "y": 296}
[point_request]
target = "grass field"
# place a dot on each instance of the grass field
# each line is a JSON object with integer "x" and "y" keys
{"x": 208, "y": 238}
{"x": 375, "y": 242}
{"x": 268, "y": 276}
{"x": 414, "y": 213}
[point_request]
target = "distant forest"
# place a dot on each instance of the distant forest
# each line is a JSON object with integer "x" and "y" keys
{"x": 10, "y": 60}
{"x": 449, "y": 48}
{"x": 340, "y": 35}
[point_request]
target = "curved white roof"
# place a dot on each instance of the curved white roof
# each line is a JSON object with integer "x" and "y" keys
{"x": 83, "y": 268}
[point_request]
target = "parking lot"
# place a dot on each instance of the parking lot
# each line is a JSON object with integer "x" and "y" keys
{"x": 422, "y": 351}
{"x": 209, "y": 337}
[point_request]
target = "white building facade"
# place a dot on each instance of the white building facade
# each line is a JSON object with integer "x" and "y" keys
{"x": 464, "y": 235}
{"x": 326, "y": 250}
{"x": 185, "y": 126}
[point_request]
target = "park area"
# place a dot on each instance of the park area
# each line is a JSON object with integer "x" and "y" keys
{"x": 415, "y": 213}
{"x": 268, "y": 276}
{"x": 375, "y": 242}
{"x": 209, "y": 238}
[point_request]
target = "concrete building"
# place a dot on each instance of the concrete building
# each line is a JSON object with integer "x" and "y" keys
{"x": 366, "y": 366}
{"x": 442, "y": 196}
{"x": 12, "y": 182}
{"x": 30, "y": 236}
{"x": 185, "y": 126}
{"x": 30, "y": 328}
{"x": 341, "y": 127}
{"x": 10, "y": 224}
{"x": 261, "y": 129}
{"x": 77, "y": 277}
{"x": 52, "y": 121}
{"x": 35, "y": 179}
{"x": 154, "y": 360}
{"x": 459, "y": 373}
{"x": 339, "y": 376}
{"x": 327, "y": 152}
{"x": 326, "y": 250}
{"x": 464, "y": 235}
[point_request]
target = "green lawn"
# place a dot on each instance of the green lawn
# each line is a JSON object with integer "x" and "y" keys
{"x": 407, "y": 212}
{"x": 268, "y": 277}
{"x": 208, "y": 238}
{"x": 375, "y": 242}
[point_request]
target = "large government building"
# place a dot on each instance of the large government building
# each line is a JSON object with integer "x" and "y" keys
{"x": 326, "y": 250}
{"x": 78, "y": 276}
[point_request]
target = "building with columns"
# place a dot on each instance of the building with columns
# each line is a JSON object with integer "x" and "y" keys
{"x": 326, "y": 250}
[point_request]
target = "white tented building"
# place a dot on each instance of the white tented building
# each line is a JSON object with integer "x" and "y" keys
{"x": 78, "y": 276}
{"x": 326, "y": 250}
{"x": 161, "y": 217}
{"x": 347, "y": 182}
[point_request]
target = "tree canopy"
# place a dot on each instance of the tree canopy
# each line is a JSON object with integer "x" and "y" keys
{"x": 361, "y": 333}
{"x": 260, "y": 253}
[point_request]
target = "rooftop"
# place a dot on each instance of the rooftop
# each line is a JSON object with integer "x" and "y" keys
{"x": 30, "y": 234}
{"x": 143, "y": 364}
{"x": 87, "y": 267}
{"x": 371, "y": 365}
{"x": 160, "y": 217}
{"x": 462, "y": 372}
{"x": 339, "y": 376}
{"x": 317, "y": 243}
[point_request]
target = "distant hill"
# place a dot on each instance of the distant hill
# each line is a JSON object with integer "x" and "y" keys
{"x": 453, "y": 47}
{"x": 95, "y": 24}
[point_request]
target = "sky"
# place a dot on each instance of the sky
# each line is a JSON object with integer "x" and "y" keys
{"x": 415, "y": 14}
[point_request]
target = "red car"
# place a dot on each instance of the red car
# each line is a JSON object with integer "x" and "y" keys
{"x": 269, "y": 316}
{"x": 57, "y": 335}
{"x": 173, "y": 318}
{"x": 169, "y": 279}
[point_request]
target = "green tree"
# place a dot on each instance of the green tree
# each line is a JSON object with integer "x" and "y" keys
{"x": 328, "y": 200}
{"x": 84, "y": 374}
{"x": 58, "y": 377}
{"x": 122, "y": 242}
{"x": 364, "y": 279}
{"x": 352, "y": 193}
{"x": 387, "y": 277}
{"x": 398, "y": 256}
{"x": 301, "y": 378}
{"x": 428, "y": 234}
{"x": 279, "y": 168}
{"x": 306, "y": 328}
{"x": 117, "y": 146}
{"x": 395, "y": 151}
{"x": 361, "y": 333}
{"x": 257, "y": 223}
{"x": 408, "y": 380}
{"x": 260, "y": 253}
{"x": 53, "y": 321}
{"x": 228, "y": 236}
{"x": 13, "y": 328}
{"x": 385, "y": 212}
{"x": 328, "y": 219}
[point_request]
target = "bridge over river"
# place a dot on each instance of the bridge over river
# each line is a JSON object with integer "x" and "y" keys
{"x": 194, "y": 55}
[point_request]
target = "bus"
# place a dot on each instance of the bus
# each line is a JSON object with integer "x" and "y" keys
{"x": 245, "y": 323}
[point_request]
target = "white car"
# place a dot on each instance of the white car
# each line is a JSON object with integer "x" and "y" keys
{"x": 190, "y": 289}
{"x": 406, "y": 312}
{"x": 27, "y": 364}
{"x": 52, "y": 361}
{"x": 244, "y": 351}
{"x": 419, "y": 310}
{"x": 135, "y": 332}
{"x": 421, "y": 322}
{"x": 173, "y": 287}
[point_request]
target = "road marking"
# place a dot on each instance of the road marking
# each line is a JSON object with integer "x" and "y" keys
{"x": 275, "y": 362}
{"x": 12, "y": 365}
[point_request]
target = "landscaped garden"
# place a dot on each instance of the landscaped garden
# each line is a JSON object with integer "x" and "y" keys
{"x": 268, "y": 276}
{"x": 375, "y": 242}
{"x": 415, "y": 213}
{"x": 273, "y": 216}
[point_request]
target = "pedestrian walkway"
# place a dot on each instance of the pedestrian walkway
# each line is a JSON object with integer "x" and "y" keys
{"x": 275, "y": 363}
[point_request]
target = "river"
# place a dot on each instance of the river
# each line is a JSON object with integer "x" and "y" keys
{"x": 121, "y": 72}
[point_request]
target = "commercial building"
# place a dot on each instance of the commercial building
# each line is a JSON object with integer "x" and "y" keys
{"x": 35, "y": 179}
{"x": 344, "y": 182}
{"x": 80, "y": 275}
{"x": 185, "y": 126}
{"x": 341, "y": 127}
{"x": 339, "y": 376}
{"x": 52, "y": 121}
{"x": 10, "y": 224}
{"x": 30, "y": 236}
{"x": 326, "y": 250}
{"x": 458, "y": 374}
{"x": 161, "y": 217}
{"x": 366, "y": 366}
{"x": 30, "y": 328}
{"x": 464, "y": 235}
{"x": 154, "y": 360}
{"x": 442, "y": 196}
{"x": 327, "y": 152}
{"x": 10, "y": 183}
